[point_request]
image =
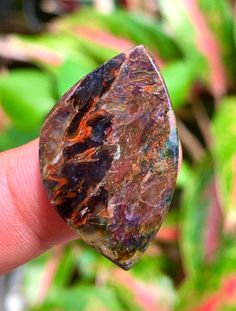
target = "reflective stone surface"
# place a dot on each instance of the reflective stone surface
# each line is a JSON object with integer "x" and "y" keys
{"x": 109, "y": 156}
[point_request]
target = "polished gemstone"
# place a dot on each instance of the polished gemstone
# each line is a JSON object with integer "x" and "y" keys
{"x": 109, "y": 156}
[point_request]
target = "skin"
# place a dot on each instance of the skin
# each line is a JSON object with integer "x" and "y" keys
{"x": 29, "y": 225}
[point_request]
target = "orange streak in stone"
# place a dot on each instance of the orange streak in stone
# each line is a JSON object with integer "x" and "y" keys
{"x": 61, "y": 182}
{"x": 71, "y": 195}
{"x": 80, "y": 222}
{"x": 149, "y": 88}
{"x": 84, "y": 130}
{"x": 89, "y": 153}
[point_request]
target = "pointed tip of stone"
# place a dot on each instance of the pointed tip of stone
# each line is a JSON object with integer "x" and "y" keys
{"x": 128, "y": 263}
{"x": 141, "y": 49}
{"x": 125, "y": 265}
{"x": 140, "y": 46}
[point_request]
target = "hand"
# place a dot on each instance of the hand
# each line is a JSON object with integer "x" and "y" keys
{"x": 29, "y": 225}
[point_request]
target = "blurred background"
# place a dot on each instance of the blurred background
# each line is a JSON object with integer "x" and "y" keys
{"x": 45, "y": 47}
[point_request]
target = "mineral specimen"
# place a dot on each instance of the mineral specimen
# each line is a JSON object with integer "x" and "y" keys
{"x": 109, "y": 156}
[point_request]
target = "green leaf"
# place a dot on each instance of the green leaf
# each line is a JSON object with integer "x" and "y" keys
{"x": 220, "y": 19}
{"x": 144, "y": 31}
{"x": 184, "y": 175}
{"x": 97, "y": 52}
{"x": 13, "y": 138}
{"x": 194, "y": 214}
{"x": 26, "y": 97}
{"x": 88, "y": 261}
{"x": 155, "y": 37}
{"x": 224, "y": 130}
{"x": 71, "y": 72}
{"x": 82, "y": 298}
{"x": 178, "y": 23}
{"x": 138, "y": 28}
{"x": 34, "y": 273}
{"x": 65, "y": 268}
{"x": 127, "y": 298}
{"x": 83, "y": 17}
{"x": 180, "y": 77}
{"x": 210, "y": 283}
{"x": 52, "y": 49}
{"x": 224, "y": 151}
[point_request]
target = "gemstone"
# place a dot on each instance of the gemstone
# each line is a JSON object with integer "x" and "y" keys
{"x": 109, "y": 156}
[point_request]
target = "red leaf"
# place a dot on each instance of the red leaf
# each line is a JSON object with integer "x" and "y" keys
{"x": 103, "y": 38}
{"x": 168, "y": 234}
{"x": 213, "y": 223}
{"x": 225, "y": 294}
